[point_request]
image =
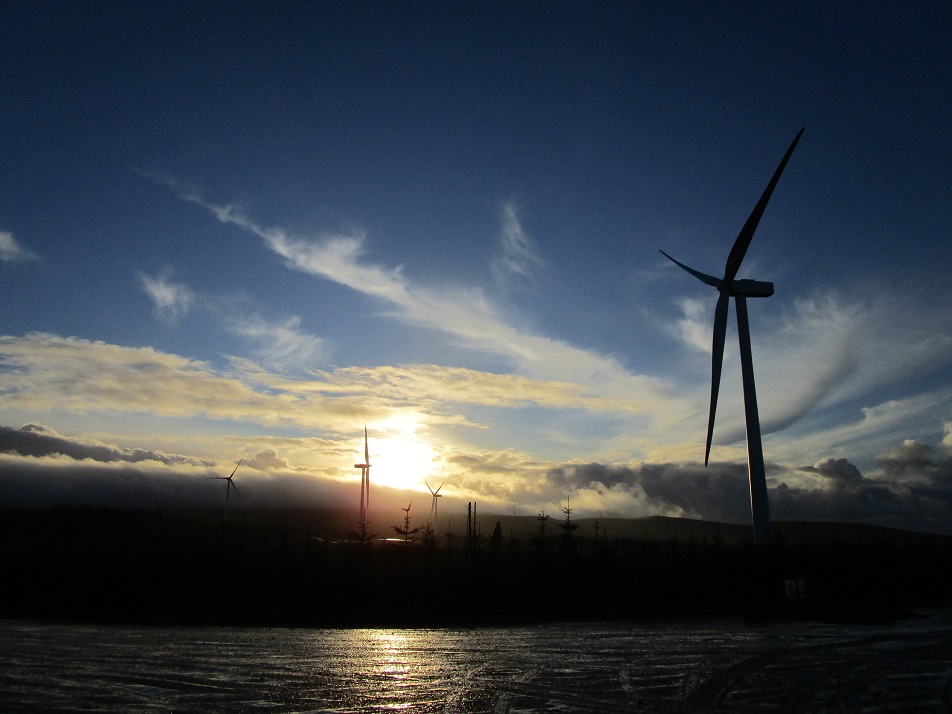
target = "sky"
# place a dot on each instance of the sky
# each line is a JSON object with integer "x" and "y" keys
{"x": 246, "y": 231}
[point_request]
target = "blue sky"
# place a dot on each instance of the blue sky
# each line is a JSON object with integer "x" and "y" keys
{"x": 241, "y": 230}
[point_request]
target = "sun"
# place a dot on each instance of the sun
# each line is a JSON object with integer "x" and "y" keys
{"x": 401, "y": 457}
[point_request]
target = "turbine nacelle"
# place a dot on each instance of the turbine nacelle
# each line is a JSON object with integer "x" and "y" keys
{"x": 745, "y": 287}
{"x": 751, "y": 288}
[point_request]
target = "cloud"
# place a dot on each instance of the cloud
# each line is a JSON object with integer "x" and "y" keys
{"x": 824, "y": 366}
{"x": 276, "y": 342}
{"x": 464, "y": 314}
{"x": 719, "y": 492}
{"x": 171, "y": 300}
{"x": 58, "y": 480}
{"x": 833, "y": 351}
{"x": 889, "y": 421}
{"x": 40, "y": 467}
{"x": 280, "y": 342}
{"x": 37, "y": 440}
{"x": 695, "y": 325}
{"x": 516, "y": 260}
{"x": 837, "y": 470}
{"x": 430, "y": 383}
{"x": 917, "y": 461}
{"x": 11, "y": 251}
{"x": 42, "y": 373}
{"x": 267, "y": 460}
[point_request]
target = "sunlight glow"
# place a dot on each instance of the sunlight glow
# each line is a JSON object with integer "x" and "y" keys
{"x": 400, "y": 456}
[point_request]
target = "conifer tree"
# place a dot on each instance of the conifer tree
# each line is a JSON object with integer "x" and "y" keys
{"x": 406, "y": 531}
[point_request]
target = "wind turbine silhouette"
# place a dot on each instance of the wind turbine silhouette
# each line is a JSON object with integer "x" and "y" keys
{"x": 364, "y": 482}
{"x": 435, "y": 506}
{"x": 740, "y": 290}
{"x": 230, "y": 485}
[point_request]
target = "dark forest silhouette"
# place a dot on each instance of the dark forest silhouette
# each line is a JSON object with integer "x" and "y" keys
{"x": 110, "y": 565}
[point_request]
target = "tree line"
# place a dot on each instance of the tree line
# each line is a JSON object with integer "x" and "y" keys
{"x": 110, "y": 565}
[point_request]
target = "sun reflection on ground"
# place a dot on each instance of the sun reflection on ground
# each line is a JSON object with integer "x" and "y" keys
{"x": 399, "y": 668}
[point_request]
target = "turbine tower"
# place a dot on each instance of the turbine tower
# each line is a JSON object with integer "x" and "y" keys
{"x": 364, "y": 482}
{"x": 740, "y": 290}
{"x": 435, "y": 506}
{"x": 230, "y": 485}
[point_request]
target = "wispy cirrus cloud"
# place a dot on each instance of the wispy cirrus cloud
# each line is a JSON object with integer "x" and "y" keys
{"x": 278, "y": 342}
{"x": 281, "y": 342}
{"x": 516, "y": 259}
{"x": 11, "y": 251}
{"x": 171, "y": 301}
{"x": 466, "y": 314}
{"x": 694, "y": 327}
{"x": 823, "y": 354}
{"x": 826, "y": 353}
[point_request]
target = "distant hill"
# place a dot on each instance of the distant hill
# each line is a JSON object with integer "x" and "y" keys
{"x": 662, "y": 528}
{"x": 334, "y": 525}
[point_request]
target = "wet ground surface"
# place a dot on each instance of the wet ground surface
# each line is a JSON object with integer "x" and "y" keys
{"x": 674, "y": 667}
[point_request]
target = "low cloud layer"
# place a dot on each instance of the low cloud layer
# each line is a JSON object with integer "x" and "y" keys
{"x": 913, "y": 489}
{"x": 37, "y": 440}
{"x": 40, "y": 468}
{"x": 912, "y": 486}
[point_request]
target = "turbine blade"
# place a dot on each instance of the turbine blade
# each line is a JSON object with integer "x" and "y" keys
{"x": 428, "y": 487}
{"x": 366, "y": 448}
{"x": 739, "y": 250}
{"x": 704, "y": 278}
{"x": 236, "y": 467}
{"x": 437, "y": 492}
{"x": 717, "y": 360}
{"x": 232, "y": 484}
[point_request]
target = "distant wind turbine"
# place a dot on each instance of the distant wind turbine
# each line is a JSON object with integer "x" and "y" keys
{"x": 230, "y": 485}
{"x": 740, "y": 290}
{"x": 435, "y": 506}
{"x": 364, "y": 482}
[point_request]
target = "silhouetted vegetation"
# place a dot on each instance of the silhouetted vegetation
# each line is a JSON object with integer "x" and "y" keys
{"x": 405, "y": 529}
{"x": 92, "y": 564}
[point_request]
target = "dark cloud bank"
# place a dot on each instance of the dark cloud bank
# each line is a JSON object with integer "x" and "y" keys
{"x": 91, "y": 473}
{"x": 913, "y": 492}
{"x": 913, "y": 488}
{"x": 38, "y": 440}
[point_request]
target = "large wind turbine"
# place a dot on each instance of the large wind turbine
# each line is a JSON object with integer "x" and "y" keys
{"x": 230, "y": 485}
{"x": 435, "y": 506}
{"x": 740, "y": 290}
{"x": 364, "y": 482}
